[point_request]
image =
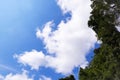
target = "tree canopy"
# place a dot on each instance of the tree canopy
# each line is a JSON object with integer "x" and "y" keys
{"x": 104, "y": 18}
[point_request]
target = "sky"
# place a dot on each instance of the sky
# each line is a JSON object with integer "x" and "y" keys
{"x": 44, "y": 39}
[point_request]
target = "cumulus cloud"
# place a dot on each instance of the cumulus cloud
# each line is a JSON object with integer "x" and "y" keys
{"x": 67, "y": 46}
{"x": 71, "y": 42}
{"x": 44, "y": 78}
{"x": 32, "y": 58}
{"x": 22, "y": 76}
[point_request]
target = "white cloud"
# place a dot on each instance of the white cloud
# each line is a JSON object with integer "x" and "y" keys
{"x": 1, "y": 77}
{"x": 45, "y": 78}
{"x": 68, "y": 45}
{"x": 11, "y": 76}
{"x": 71, "y": 42}
{"x": 33, "y": 59}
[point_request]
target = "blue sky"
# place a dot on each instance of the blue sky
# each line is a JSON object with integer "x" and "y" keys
{"x": 44, "y": 39}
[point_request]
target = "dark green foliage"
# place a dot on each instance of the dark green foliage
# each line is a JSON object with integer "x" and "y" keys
{"x": 106, "y": 62}
{"x": 71, "y": 77}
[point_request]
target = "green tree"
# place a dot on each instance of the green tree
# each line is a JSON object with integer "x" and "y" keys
{"x": 106, "y": 62}
{"x": 71, "y": 77}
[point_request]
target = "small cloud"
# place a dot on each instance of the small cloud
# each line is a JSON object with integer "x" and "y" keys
{"x": 1, "y": 77}
{"x": 22, "y": 76}
{"x": 34, "y": 59}
{"x": 44, "y": 78}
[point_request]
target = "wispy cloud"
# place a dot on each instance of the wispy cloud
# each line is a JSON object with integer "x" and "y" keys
{"x": 42, "y": 77}
{"x": 5, "y": 67}
{"x": 22, "y": 76}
